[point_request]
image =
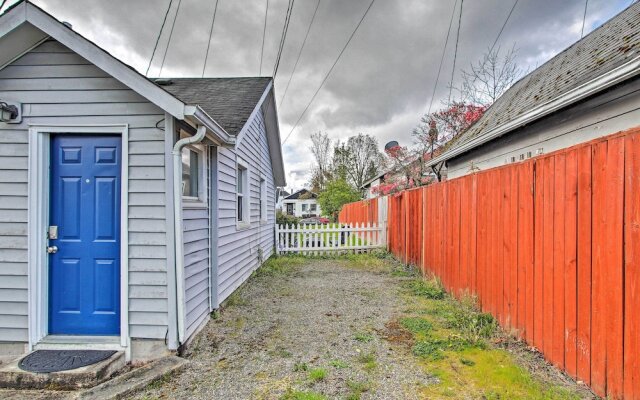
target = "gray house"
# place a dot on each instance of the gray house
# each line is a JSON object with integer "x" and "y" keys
{"x": 590, "y": 90}
{"x": 129, "y": 208}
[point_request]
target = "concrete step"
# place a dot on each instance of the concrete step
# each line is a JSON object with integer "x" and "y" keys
{"x": 11, "y": 376}
{"x": 132, "y": 381}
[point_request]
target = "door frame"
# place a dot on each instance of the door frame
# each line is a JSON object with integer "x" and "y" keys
{"x": 38, "y": 220}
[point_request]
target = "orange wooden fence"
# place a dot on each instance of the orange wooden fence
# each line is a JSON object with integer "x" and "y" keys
{"x": 551, "y": 248}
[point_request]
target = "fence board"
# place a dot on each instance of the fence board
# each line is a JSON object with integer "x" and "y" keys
{"x": 584, "y": 218}
{"x": 570, "y": 258}
{"x": 557, "y": 352}
{"x": 632, "y": 268}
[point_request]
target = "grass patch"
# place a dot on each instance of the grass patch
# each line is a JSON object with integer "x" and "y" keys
{"x": 357, "y": 388}
{"x": 317, "y": 374}
{"x": 368, "y": 361}
{"x": 298, "y": 395}
{"x": 338, "y": 364}
{"x": 301, "y": 366}
{"x": 235, "y": 299}
{"x": 416, "y": 325}
{"x": 431, "y": 289}
{"x": 363, "y": 337}
{"x": 279, "y": 266}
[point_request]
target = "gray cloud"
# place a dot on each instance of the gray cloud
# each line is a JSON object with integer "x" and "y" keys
{"x": 384, "y": 80}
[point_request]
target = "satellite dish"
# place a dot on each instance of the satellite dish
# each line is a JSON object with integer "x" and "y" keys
{"x": 391, "y": 145}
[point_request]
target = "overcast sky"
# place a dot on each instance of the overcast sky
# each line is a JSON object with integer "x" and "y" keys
{"x": 384, "y": 80}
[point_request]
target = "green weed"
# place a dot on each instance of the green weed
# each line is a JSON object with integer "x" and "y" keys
{"x": 317, "y": 374}
{"x": 416, "y": 325}
{"x": 338, "y": 364}
{"x": 363, "y": 337}
{"x": 431, "y": 289}
{"x": 298, "y": 395}
{"x": 368, "y": 360}
{"x": 301, "y": 366}
{"x": 357, "y": 388}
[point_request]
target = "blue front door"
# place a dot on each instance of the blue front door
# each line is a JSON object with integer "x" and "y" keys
{"x": 84, "y": 272}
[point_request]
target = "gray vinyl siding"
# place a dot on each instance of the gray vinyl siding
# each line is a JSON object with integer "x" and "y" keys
{"x": 56, "y": 86}
{"x": 196, "y": 233}
{"x": 238, "y": 249}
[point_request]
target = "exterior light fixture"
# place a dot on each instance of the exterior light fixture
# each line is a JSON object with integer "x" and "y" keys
{"x": 10, "y": 113}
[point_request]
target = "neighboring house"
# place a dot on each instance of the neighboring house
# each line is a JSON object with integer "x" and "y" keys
{"x": 281, "y": 193}
{"x": 590, "y": 90}
{"x": 129, "y": 209}
{"x": 302, "y": 203}
{"x": 368, "y": 187}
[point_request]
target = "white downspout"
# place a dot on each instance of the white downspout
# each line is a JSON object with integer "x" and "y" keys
{"x": 177, "y": 224}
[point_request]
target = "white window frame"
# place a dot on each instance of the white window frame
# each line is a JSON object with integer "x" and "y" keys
{"x": 201, "y": 200}
{"x": 263, "y": 200}
{"x": 245, "y": 222}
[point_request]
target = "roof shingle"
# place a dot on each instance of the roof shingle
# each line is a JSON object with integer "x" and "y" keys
{"x": 229, "y": 101}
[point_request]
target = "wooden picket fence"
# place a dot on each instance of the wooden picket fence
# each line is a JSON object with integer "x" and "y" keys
{"x": 550, "y": 246}
{"x": 319, "y": 239}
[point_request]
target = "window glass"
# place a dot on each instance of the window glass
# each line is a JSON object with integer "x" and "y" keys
{"x": 304, "y": 207}
{"x": 190, "y": 173}
{"x": 263, "y": 199}
{"x": 241, "y": 195}
{"x": 313, "y": 207}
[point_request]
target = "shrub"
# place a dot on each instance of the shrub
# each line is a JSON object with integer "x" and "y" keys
{"x": 285, "y": 219}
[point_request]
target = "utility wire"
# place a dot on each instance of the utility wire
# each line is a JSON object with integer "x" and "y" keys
{"x": 444, "y": 49}
{"x": 213, "y": 21}
{"x": 2, "y": 4}
{"x": 284, "y": 94}
{"x": 503, "y": 26}
{"x": 330, "y": 70}
{"x": 155, "y": 47}
{"x": 170, "y": 36}
{"x": 455, "y": 53}
{"x": 283, "y": 38}
{"x": 264, "y": 33}
{"x": 584, "y": 18}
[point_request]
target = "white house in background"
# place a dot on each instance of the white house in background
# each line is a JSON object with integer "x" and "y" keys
{"x": 129, "y": 208}
{"x": 302, "y": 204}
{"x": 281, "y": 193}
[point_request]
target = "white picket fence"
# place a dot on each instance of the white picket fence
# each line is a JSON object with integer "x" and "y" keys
{"x": 330, "y": 238}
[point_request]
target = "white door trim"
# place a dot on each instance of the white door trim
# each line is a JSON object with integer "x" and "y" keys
{"x": 38, "y": 219}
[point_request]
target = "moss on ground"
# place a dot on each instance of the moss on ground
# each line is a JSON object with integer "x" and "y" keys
{"x": 453, "y": 341}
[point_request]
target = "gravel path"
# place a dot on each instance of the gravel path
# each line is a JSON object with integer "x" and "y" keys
{"x": 317, "y": 329}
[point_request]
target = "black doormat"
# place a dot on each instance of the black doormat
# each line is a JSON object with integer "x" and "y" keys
{"x": 45, "y": 361}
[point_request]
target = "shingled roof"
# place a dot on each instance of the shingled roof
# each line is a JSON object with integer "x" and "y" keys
{"x": 229, "y": 101}
{"x": 613, "y": 44}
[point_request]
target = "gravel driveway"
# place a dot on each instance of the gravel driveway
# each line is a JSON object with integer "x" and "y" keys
{"x": 315, "y": 328}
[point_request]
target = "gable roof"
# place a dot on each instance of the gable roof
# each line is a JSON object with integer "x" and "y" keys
{"x": 230, "y": 101}
{"x": 25, "y": 25}
{"x": 300, "y": 193}
{"x": 607, "y": 56}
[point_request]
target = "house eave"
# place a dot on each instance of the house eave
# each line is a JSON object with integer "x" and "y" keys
{"x": 594, "y": 86}
{"x": 218, "y": 134}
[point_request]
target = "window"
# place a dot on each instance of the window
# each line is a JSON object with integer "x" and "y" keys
{"x": 314, "y": 207}
{"x": 190, "y": 164}
{"x": 242, "y": 190}
{"x": 194, "y": 191}
{"x": 263, "y": 200}
{"x": 304, "y": 207}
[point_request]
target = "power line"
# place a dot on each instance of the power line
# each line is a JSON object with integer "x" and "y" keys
{"x": 170, "y": 36}
{"x": 264, "y": 33}
{"x": 213, "y": 21}
{"x": 330, "y": 70}
{"x": 584, "y": 18}
{"x": 444, "y": 49}
{"x": 455, "y": 53}
{"x": 283, "y": 38}
{"x": 300, "y": 52}
{"x": 3, "y": 3}
{"x": 155, "y": 47}
{"x": 503, "y": 26}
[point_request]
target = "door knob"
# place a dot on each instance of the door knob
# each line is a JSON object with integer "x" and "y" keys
{"x": 52, "y": 249}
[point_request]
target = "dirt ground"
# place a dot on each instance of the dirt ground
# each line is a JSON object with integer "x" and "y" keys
{"x": 350, "y": 329}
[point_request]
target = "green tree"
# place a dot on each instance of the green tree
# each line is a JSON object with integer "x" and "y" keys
{"x": 337, "y": 194}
